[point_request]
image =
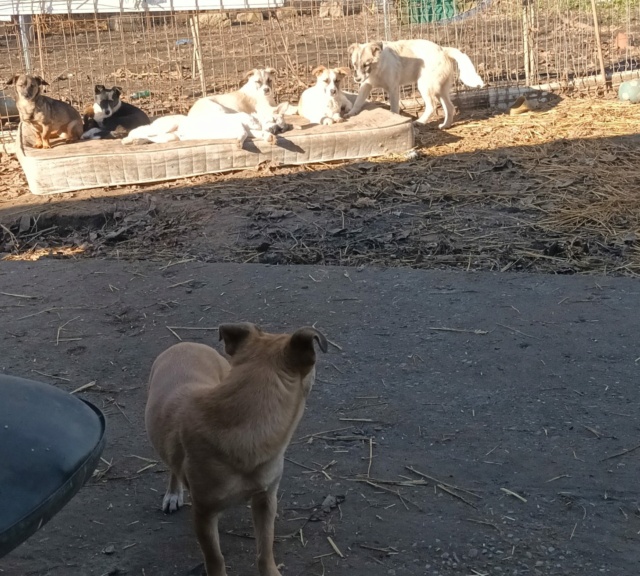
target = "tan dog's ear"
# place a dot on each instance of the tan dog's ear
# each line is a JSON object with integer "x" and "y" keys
{"x": 248, "y": 75}
{"x": 40, "y": 81}
{"x": 301, "y": 351}
{"x": 343, "y": 71}
{"x": 234, "y": 335}
{"x": 352, "y": 49}
{"x": 318, "y": 70}
{"x": 13, "y": 80}
{"x": 376, "y": 48}
{"x": 271, "y": 71}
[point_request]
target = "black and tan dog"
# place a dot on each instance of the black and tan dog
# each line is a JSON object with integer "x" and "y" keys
{"x": 49, "y": 118}
{"x": 109, "y": 115}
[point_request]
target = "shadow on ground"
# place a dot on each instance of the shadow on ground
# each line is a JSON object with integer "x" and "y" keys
{"x": 566, "y": 206}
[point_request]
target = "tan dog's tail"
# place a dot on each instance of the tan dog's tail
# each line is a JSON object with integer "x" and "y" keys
{"x": 468, "y": 73}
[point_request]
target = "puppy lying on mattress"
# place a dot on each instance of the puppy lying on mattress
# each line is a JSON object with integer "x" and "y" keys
{"x": 219, "y": 123}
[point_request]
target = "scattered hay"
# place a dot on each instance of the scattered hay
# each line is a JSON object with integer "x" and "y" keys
{"x": 552, "y": 191}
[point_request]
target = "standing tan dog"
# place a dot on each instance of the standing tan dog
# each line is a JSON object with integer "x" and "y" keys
{"x": 48, "y": 117}
{"x": 391, "y": 65}
{"x": 222, "y": 427}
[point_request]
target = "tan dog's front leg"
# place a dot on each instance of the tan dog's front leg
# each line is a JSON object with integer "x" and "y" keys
{"x": 264, "y": 507}
{"x": 38, "y": 138}
{"x": 394, "y": 100}
{"x": 206, "y": 527}
{"x": 46, "y": 134}
{"x": 363, "y": 94}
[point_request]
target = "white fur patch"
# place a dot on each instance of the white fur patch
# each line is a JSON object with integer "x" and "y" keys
{"x": 99, "y": 115}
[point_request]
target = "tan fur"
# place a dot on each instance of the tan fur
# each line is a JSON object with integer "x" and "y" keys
{"x": 222, "y": 426}
{"x": 391, "y": 65}
{"x": 324, "y": 102}
{"x": 49, "y": 118}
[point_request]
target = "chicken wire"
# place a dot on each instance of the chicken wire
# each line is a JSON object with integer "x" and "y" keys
{"x": 165, "y": 60}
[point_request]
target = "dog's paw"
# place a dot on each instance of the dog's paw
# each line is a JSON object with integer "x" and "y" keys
{"x": 269, "y": 138}
{"x": 172, "y": 502}
{"x": 327, "y": 121}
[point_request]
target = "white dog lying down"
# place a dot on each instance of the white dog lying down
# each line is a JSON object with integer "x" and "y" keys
{"x": 213, "y": 123}
{"x": 325, "y": 103}
{"x": 255, "y": 95}
{"x": 390, "y": 65}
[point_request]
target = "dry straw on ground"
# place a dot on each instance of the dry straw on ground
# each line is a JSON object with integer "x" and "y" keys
{"x": 548, "y": 191}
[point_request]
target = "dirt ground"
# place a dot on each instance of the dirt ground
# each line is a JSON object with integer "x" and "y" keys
{"x": 510, "y": 396}
{"x": 467, "y": 424}
{"x": 551, "y": 191}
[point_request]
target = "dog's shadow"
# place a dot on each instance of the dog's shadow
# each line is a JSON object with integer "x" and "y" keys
{"x": 428, "y": 135}
{"x": 282, "y": 142}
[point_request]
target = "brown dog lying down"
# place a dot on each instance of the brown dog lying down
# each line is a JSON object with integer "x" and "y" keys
{"x": 222, "y": 427}
{"x": 50, "y": 118}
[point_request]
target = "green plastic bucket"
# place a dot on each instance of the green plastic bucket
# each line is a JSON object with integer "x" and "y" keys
{"x": 424, "y": 11}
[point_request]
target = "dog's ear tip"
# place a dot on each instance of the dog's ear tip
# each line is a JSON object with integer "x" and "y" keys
{"x": 234, "y": 335}
{"x": 305, "y": 336}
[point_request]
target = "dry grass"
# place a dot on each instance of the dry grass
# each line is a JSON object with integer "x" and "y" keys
{"x": 553, "y": 191}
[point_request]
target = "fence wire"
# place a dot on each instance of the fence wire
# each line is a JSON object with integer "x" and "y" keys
{"x": 166, "y": 60}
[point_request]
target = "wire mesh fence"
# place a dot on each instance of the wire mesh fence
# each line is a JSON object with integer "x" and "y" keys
{"x": 165, "y": 60}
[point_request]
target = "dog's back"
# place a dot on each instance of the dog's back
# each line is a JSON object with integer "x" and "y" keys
{"x": 412, "y": 58}
{"x": 236, "y": 101}
{"x": 187, "y": 364}
{"x": 177, "y": 376}
{"x": 49, "y": 109}
{"x": 127, "y": 117}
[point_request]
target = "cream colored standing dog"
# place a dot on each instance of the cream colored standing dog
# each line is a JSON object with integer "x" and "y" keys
{"x": 391, "y": 65}
{"x": 325, "y": 103}
{"x": 222, "y": 427}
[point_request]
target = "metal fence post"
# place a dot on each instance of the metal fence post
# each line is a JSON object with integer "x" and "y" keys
{"x": 24, "y": 22}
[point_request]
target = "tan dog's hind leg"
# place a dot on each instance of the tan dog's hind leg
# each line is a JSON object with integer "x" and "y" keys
{"x": 174, "y": 496}
{"x": 449, "y": 110}
{"x": 263, "y": 509}
{"x": 429, "y": 103}
{"x": 74, "y": 131}
{"x": 206, "y": 527}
